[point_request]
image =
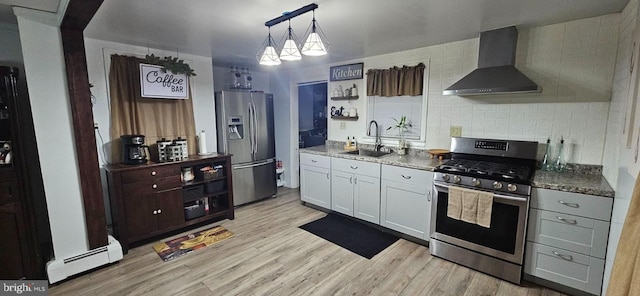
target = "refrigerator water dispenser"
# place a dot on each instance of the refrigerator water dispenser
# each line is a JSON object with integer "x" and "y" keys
{"x": 235, "y": 127}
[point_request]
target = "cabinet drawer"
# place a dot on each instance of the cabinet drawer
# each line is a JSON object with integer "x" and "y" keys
{"x": 315, "y": 160}
{"x": 406, "y": 175}
{"x": 356, "y": 167}
{"x": 591, "y": 206}
{"x": 582, "y": 235}
{"x": 151, "y": 186}
{"x": 147, "y": 174}
{"x": 564, "y": 267}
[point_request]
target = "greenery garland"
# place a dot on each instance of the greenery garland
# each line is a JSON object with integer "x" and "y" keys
{"x": 170, "y": 63}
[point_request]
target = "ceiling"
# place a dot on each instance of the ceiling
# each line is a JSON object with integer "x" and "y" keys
{"x": 231, "y": 32}
{"x": 6, "y": 14}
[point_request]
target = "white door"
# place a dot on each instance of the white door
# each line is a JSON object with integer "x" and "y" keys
{"x": 315, "y": 186}
{"x": 342, "y": 192}
{"x": 406, "y": 208}
{"x": 366, "y": 198}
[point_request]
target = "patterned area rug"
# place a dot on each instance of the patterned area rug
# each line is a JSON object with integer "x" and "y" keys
{"x": 175, "y": 248}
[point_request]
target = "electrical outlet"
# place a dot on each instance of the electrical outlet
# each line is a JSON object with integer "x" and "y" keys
{"x": 455, "y": 131}
{"x": 343, "y": 125}
{"x": 95, "y": 125}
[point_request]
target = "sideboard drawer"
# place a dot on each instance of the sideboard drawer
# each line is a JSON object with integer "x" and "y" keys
{"x": 146, "y": 174}
{"x": 152, "y": 186}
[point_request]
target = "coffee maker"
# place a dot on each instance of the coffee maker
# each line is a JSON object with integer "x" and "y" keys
{"x": 134, "y": 151}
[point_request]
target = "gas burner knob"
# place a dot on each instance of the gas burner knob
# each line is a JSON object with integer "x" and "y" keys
{"x": 456, "y": 179}
{"x": 512, "y": 187}
{"x": 497, "y": 185}
{"x": 475, "y": 182}
{"x": 446, "y": 177}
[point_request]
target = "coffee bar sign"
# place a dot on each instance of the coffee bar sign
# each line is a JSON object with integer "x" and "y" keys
{"x": 156, "y": 84}
{"x": 346, "y": 72}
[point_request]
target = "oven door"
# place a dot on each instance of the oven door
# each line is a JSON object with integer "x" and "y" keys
{"x": 504, "y": 239}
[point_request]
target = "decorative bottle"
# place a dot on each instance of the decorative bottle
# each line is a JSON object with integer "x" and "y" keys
{"x": 247, "y": 79}
{"x": 546, "y": 161}
{"x": 560, "y": 163}
{"x": 236, "y": 80}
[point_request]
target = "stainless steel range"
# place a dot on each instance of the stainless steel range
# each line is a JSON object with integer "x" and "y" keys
{"x": 504, "y": 168}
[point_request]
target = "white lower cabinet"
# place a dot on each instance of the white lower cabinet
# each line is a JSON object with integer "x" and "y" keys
{"x": 342, "y": 192}
{"x": 315, "y": 180}
{"x": 406, "y": 200}
{"x": 355, "y": 189}
{"x": 366, "y": 200}
{"x": 567, "y": 238}
{"x": 564, "y": 267}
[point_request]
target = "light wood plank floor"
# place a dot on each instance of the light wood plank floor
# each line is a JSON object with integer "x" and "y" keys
{"x": 270, "y": 255}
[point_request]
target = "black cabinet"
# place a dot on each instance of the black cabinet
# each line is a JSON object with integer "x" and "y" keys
{"x": 25, "y": 235}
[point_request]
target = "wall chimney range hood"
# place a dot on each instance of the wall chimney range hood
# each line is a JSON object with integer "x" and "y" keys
{"x": 496, "y": 73}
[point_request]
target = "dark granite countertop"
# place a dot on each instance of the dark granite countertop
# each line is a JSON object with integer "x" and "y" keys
{"x": 592, "y": 183}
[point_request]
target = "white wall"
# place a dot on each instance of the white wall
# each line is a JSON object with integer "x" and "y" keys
{"x": 98, "y": 63}
{"x": 48, "y": 94}
{"x": 616, "y": 156}
{"x": 573, "y": 62}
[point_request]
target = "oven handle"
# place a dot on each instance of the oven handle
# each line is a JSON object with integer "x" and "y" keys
{"x": 507, "y": 197}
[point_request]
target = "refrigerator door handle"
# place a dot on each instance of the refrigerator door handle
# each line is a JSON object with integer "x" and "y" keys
{"x": 252, "y": 165}
{"x": 251, "y": 130}
{"x": 255, "y": 131}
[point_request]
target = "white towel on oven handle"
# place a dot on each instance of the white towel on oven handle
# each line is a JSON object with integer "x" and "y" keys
{"x": 485, "y": 206}
{"x": 454, "y": 204}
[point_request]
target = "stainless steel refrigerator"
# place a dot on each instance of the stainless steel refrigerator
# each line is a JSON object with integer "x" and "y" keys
{"x": 245, "y": 129}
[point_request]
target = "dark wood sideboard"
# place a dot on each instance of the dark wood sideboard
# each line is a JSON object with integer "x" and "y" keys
{"x": 151, "y": 199}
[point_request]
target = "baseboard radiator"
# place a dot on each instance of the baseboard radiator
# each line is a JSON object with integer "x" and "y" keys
{"x": 58, "y": 270}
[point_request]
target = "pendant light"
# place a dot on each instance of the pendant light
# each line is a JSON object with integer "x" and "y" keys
{"x": 269, "y": 56}
{"x": 290, "y": 50}
{"x": 314, "y": 46}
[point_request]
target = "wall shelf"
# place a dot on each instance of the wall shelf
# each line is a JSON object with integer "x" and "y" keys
{"x": 344, "y": 98}
{"x": 345, "y": 117}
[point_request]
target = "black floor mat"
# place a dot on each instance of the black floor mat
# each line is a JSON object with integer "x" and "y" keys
{"x": 351, "y": 235}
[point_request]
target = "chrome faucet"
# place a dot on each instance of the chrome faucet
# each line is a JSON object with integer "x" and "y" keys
{"x": 378, "y": 143}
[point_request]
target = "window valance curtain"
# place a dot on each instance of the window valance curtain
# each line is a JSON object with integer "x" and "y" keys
{"x": 395, "y": 81}
{"x": 133, "y": 114}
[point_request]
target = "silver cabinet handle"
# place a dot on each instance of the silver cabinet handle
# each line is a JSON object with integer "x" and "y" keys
{"x": 351, "y": 180}
{"x": 155, "y": 212}
{"x": 429, "y": 196}
{"x": 154, "y": 186}
{"x": 568, "y": 204}
{"x": 153, "y": 173}
{"x": 159, "y": 211}
{"x": 327, "y": 175}
{"x": 568, "y": 221}
{"x": 314, "y": 161}
{"x": 406, "y": 177}
{"x": 562, "y": 256}
{"x": 355, "y": 180}
{"x": 352, "y": 167}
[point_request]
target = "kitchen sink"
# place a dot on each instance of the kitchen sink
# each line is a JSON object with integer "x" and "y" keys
{"x": 365, "y": 152}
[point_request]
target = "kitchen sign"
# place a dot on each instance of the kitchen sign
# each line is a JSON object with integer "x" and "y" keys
{"x": 164, "y": 85}
{"x": 346, "y": 72}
